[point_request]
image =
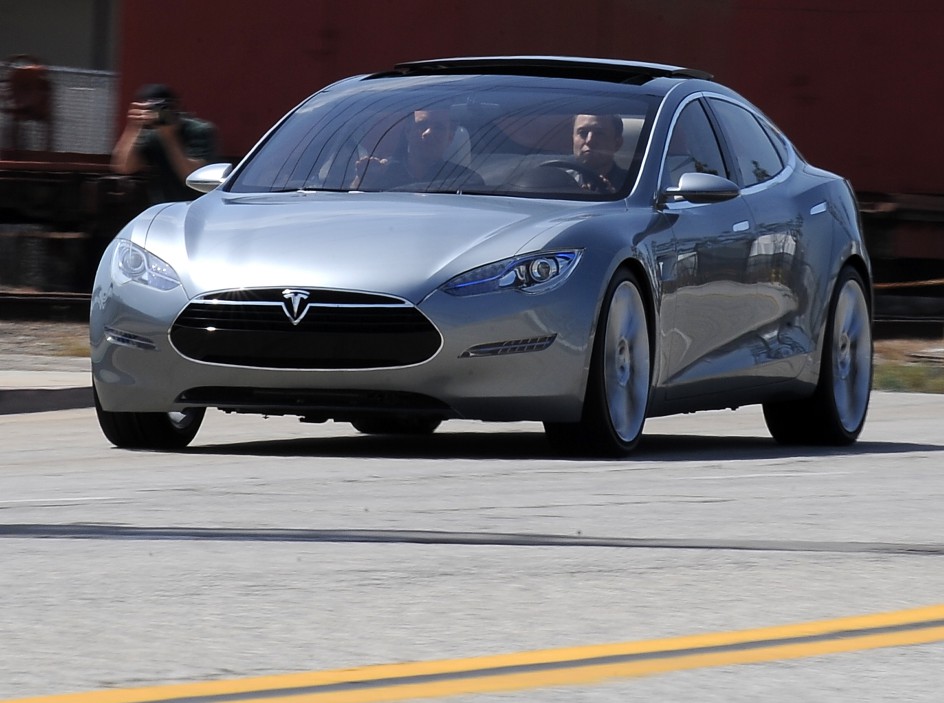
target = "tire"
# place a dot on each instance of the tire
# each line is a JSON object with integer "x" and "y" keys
{"x": 618, "y": 387}
{"x": 397, "y": 424}
{"x": 835, "y": 413}
{"x": 150, "y": 430}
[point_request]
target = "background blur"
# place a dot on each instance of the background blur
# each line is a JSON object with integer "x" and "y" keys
{"x": 852, "y": 82}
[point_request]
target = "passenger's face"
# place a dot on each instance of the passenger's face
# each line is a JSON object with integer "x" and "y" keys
{"x": 595, "y": 142}
{"x": 430, "y": 133}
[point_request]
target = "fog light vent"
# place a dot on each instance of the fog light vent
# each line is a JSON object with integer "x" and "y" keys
{"x": 513, "y": 346}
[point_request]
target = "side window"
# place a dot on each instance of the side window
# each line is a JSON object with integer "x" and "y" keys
{"x": 756, "y": 158}
{"x": 693, "y": 147}
{"x": 778, "y": 140}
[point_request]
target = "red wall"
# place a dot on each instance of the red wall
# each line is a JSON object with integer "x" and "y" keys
{"x": 853, "y": 82}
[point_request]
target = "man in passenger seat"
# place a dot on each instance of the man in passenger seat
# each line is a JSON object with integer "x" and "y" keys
{"x": 424, "y": 162}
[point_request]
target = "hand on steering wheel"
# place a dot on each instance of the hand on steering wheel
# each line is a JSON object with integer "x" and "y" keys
{"x": 590, "y": 179}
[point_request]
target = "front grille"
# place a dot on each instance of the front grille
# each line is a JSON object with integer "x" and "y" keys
{"x": 304, "y": 329}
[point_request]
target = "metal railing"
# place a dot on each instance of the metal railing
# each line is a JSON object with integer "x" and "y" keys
{"x": 83, "y": 112}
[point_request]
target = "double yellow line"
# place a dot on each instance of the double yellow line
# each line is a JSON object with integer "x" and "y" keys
{"x": 544, "y": 668}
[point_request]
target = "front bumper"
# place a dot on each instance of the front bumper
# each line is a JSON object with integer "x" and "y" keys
{"x": 504, "y": 356}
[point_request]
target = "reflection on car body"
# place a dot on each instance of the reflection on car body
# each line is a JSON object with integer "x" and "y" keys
{"x": 348, "y": 270}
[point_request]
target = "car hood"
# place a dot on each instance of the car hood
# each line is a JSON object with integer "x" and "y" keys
{"x": 402, "y": 244}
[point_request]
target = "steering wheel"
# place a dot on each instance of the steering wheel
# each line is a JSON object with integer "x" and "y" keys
{"x": 592, "y": 180}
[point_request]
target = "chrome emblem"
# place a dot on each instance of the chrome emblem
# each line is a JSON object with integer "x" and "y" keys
{"x": 294, "y": 306}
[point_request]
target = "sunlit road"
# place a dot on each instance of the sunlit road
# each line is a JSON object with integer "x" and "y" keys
{"x": 274, "y": 547}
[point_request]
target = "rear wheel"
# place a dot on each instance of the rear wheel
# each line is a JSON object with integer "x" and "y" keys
{"x": 618, "y": 387}
{"x": 835, "y": 413}
{"x": 174, "y": 430}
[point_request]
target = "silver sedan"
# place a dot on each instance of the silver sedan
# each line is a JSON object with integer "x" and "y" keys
{"x": 580, "y": 242}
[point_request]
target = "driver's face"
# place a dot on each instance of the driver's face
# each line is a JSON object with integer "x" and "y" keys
{"x": 595, "y": 142}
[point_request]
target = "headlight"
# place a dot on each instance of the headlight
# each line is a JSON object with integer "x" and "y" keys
{"x": 530, "y": 273}
{"x": 134, "y": 263}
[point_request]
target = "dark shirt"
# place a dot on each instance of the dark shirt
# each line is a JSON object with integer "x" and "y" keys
{"x": 198, "y": 138}
{"x": 612, "y": 182}
{"x": 617, "y": 177}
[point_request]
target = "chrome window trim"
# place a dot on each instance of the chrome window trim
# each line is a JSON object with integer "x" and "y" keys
{"x": 682, "y": 204}
{"x": 788, "y": 168}
{"x": 784, "y": 173}
{"x": 649, "y": 144}
{"x": 645, "y": 156}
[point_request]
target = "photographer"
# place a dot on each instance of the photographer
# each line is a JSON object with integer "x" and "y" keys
{"x": 163, "y": 144}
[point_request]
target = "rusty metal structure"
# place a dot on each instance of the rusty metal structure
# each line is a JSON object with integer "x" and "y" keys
{"x": 847, "y": 80}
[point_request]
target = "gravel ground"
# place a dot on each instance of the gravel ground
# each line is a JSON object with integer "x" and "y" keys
{"x": 44, "y": 338}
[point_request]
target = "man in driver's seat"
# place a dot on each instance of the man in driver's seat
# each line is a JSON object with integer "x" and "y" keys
{"x": 597, "y": 138}
{"x": 423, "y": 160}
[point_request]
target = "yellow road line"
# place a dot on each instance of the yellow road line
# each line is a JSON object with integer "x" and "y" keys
{"x": 552, "y": 667}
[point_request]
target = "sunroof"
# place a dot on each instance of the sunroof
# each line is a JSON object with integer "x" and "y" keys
{"x": 616, "y": 71}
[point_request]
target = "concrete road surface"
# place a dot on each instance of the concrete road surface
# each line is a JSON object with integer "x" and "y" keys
{"x": 273, "y": 546}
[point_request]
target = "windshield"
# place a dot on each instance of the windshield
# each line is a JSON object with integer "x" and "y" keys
{"x": 501, "y": 135}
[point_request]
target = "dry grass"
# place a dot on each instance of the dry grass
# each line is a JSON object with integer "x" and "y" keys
{"x": 44, "y": 338}
{"x": 909, "y": 365}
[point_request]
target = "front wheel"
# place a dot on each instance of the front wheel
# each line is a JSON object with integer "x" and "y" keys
{"x": 174, "y": 430}
{"x": 617, "y": 396}
{"x": 835, "y": 413}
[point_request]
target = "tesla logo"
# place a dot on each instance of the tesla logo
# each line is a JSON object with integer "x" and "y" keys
{"x": 294, "y": 305}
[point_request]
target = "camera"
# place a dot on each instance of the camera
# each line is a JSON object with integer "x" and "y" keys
{"x": 166, "y": 114}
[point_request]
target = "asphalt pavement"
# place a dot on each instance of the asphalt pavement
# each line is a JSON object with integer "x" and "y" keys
{"x": 30, "y": 384}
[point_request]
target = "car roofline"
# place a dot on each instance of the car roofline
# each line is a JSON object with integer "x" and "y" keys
{"x": 615, "y": 70}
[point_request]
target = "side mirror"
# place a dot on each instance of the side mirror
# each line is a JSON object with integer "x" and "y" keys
{"x": 701, "y": 188}
{"x": 209, "y": 177}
